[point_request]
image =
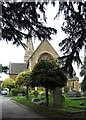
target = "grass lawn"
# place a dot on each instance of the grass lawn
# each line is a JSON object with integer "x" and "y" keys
{"x": 42, "y": 110}
{"x": 75, "y": 103}
{"x": 65, "y": 112}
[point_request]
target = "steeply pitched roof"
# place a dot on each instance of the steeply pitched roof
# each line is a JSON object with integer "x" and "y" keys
{"x": 41, "y": 44}
{"x": 16, "y": 68}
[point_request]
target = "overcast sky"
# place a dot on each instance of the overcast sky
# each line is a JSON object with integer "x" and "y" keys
{"x": 11, "y": 53}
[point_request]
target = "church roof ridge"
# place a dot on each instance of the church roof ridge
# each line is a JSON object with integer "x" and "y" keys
{"x": 40, "y": 45}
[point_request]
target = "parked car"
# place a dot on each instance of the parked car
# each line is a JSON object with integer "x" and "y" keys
{"x": 4, "y": 92}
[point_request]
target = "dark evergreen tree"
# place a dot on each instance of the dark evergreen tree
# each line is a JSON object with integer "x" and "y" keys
{"x": 75, "y": 28}
{"x": 83, "y": 84}
{"x": 48, "y": 75}
{"x": 22, "y": 20}
{"x": 83, "y": 73}
{"x": 5, "y": 69}
{"x": 20, "y": 16}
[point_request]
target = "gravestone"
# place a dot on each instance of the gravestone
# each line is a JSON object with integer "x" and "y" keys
{"x": 58, "y": 99}
{"x": 83, "y": 103}
{"x": 71, "y": 93}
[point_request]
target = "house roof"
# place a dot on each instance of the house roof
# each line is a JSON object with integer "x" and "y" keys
{"x": 16, "y": 68}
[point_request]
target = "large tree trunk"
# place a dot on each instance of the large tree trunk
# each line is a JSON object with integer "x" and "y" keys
{"x": 47, "y": 99}
{"x": 27, "y": 91}
{"x": 9, "y": 90}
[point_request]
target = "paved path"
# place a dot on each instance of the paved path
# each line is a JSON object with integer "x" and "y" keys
{"x": 9, "y": 109}
{"x": 0, "y": 107}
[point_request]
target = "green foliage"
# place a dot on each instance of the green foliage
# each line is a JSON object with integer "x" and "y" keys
{"x": 20, "y": 16}
{"x": 83, "y": 68}
{"x": 83, "y": 84}
{"x": 75, "y": 103}
{"x": 22, "y": 79}
{"x": 16, "y": 91}
{"x": 68, "y": 102}
{"x": 47, "y": 74}
{"x": 83, "y": 73}
{"x": 35, "y": 93}
{"x": 42, "y": 98}
{"x": 8, "y": 83}
{"x": 5, "y": 69}
{"x": 74, "y": 27}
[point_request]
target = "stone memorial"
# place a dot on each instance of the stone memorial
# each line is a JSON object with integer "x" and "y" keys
{"x": 58, "y": 99}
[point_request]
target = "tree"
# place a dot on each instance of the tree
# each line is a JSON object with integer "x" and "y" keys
{"x": 48, "y": 75}
{"x": 22, "y": 20}
{"x": 83, "y": 73}
{"x": 25, "y": 16}
{"x": 8, "y": 83}
{"x": 75, "y": 28}
{"x": 5, "y": 69}
{"x": 83, "y": 84}
{"x": 23, "y": 80}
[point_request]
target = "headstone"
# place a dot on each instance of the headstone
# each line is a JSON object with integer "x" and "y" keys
{"x": 70, "y": 93}
{"x": 58, "y": 99}
{"x": 83, "y": 103}
{"x": 35, "y": 100}
{"x": 73, "y": 93}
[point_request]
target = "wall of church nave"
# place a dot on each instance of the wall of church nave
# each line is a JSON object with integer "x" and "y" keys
{"x": 44, "y": 48}
{"x": 74, "y": 84}
{"x": 71, "y": 85}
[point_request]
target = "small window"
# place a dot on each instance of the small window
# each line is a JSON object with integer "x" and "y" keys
{"x": 73, "y": 85}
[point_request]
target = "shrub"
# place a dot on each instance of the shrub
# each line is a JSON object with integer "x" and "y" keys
{"x": 23, "y": 91}
{"x": 36, "y": 93}
{"x": 32, "y": 92}
{"x": 42, "y": 97}
{"x": 14, "y": 91}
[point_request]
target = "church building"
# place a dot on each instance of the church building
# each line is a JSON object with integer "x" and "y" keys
{"x": 45, "y": 51}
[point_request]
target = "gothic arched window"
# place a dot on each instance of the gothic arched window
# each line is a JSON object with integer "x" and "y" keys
{"x": 45, "y": 56}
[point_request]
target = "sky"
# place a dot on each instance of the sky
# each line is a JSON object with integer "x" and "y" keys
{"x": 12, "y": 53}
